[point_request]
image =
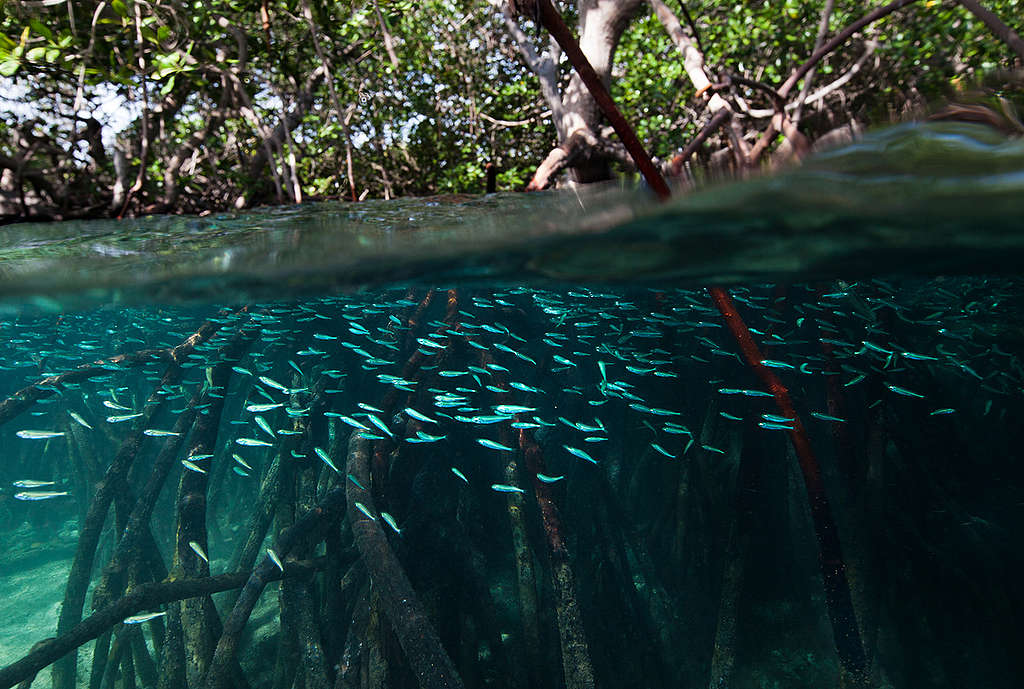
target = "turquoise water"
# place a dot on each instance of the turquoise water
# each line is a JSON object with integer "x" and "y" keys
{"x": 516, "y": 441}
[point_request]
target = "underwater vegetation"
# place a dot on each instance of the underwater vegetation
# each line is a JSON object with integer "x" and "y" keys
{"x": 522, "y": 487}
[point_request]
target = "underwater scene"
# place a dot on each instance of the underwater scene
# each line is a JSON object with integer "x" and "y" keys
{"x": 764, "y": 436}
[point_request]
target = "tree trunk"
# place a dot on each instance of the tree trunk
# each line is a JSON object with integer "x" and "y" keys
{"x": 577, "y": 116}
{"x": 602, "y": 23}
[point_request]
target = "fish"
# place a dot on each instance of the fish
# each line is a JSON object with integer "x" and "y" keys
{"x": 504, "y": 488}
{"x": 260, "y": 408}
{"x": 460, "y": 474}
{"x": 271, "y": 383}
{"x": 39, "y": 435}
{"x": 376, "y": 421}
{"x": 114, "y": 405}
{"x": 903, "y": 391}
{"x": 362, "y": 508}
{"x": 29, "y": 483}
{"x": 275, "y": 559}
{"x": 40, "y": 495}
{"x": 391, "y": 522}
{"x": 663, "y": 451}
{"x": 513, "y": 409}
{"x": 422, "y": 437}
{"x": 156, "y": 433}
{"x": 77, "y": 417}
{"x": 354, "y": 423}
{"x": 524, "y": 387}
{"x": 774, "y": 426}
{"x": 192, "y": 466}
{"x": 143, "y": 617}
{"x": 576, "y": 452}
{"x": 492, "y": 445}
{"x": 419, "y": 416}
{"x": 264, "y": 426}
{"x": 514, "y": 353}
{"x": 253, "y": 442}
{"x": 198, "y": 550}
{"x": 123, "y": 417}
{"x": 322, "y": 454}
{"x": 748, "y": 393}
{"x": 355, "y": 482}
{"x": 544, "y": 478}
{"x": 827, "y": 417}
{"x": 483, "y": 420}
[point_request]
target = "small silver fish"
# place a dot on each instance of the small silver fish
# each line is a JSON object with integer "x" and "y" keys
{"x": 270, "y": 382}
{"x": 156, "y": 433}
{"x": 192, "y": 466}
{"x": 391, "y": 522}
{"x": 418, "y": 416}
{"x": 492, "y": 445}
{"x": 354, "y": 424}
{"x": 903, "y": 391}
{"x": 576, "y": 452}
{"x": 827, "y": 417}
{"x": 39, "y": 435}
{"x": 504, "y": 488}
{"x": 29, "y": 483}
{"x": 77, "y": 417}
{"x": 322, "y": 454}
{"x": 376, "y": 421}
{"x": 264, "y": 426}
{"x": 275, "y": 559}
{"x": 198, "y": 550}
{"x": 362, "y": 508}
{"x": 144, "y": 617}
{"x": 40, "y": 495}
{"x": 113, "y": 405}
{"x": 123, "y": 417}
{"x": 663, "y": 451}
{"x": 460, "y": 474}
{"x": 260, "y": 408}
{"x": 253, "y": 442}
{"x": 513, "y": 409}
{"x": 544, "y": 478}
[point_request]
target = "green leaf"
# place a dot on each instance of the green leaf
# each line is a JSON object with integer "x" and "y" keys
{"x": 166, "y": 88}
{"x": 41, "y": 29}
{"x": 119, "y": 7}
{"x": 9, "y": 66}
{"x": 36, "y": 54}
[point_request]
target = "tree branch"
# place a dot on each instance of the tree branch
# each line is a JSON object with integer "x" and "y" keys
{"x": 544, "y": 66}
{"x": 996, "y": 26}
{"x": 143, "y": 597}
{"x": 826, "y": 14}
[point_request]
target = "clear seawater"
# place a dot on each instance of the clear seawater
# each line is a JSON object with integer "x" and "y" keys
{"x": 566, "y": 460}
